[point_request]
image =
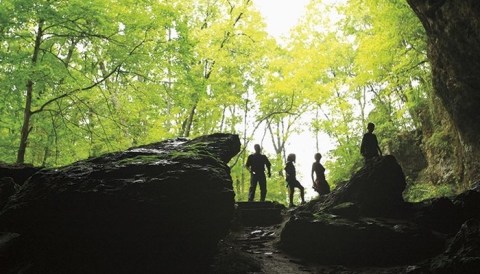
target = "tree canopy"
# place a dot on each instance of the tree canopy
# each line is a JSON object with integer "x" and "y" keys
{"x": 80, "y": 78}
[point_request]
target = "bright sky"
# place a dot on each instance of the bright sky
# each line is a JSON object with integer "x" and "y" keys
{"x": 281, "y": 15}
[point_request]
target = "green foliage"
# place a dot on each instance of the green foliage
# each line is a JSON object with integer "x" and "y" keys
{"x": 423, "y": 191}
{"x": 107, "y": 75}
{"x": 440, "y": 142}
{"x": 341, "y": 168}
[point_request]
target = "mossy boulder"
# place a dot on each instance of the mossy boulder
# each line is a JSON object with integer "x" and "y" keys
{"x": 150, "y": 209}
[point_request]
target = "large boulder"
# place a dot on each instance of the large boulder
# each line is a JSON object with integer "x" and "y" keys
{"x": 364, "y": 222}
{"x": 462, "y": 255}
{"x": 18, "y": 172}
{"x": 438, "y": 214}
{"x": 376, "y": 189}
{"x": 333, "y": 239}
{"x": 447, "y": 214}
{"x": 468, "y": 204}
{"x": 160, "y": 207}
{"x": 12, "y": 176}
{"x": 7, "y": 189}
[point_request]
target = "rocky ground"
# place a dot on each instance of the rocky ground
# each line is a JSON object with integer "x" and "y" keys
{"x": 364, "y": 226}
{"x": 255, "y": 249}
{"x": 168, "y": 208}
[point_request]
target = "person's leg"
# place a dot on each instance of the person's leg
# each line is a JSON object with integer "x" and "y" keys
{"x": 327, "y": 187}
{"x": 302, "y": 193}
{"x": 253, "y": 186}
{"x": 262, "y": 181}
{"x": 290, "y": 196}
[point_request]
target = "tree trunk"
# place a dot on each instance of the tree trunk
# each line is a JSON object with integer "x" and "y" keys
{"x": 189, "y": 122}
{"x": 27, "y": 112}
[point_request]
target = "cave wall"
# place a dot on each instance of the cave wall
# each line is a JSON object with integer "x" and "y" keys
{"x": 453, "y": 30}
{"x": 441, "y": 147}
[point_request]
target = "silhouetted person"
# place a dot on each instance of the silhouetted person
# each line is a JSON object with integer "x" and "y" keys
{"x": 292, "y": 181}
{"x": 256, "y": 164}
{"x": 369, "y": 148}
{"x": 320, "y": 184}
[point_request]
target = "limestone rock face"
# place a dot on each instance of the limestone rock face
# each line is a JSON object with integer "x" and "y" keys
{"x": 453, "y": 30}
{"x": 163, "y": 206}
{"x": 407, "y": 149}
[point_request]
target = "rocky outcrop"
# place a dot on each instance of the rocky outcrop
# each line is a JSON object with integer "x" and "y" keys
{"x": 375, "y": 189}
{"x": 462, "y": 255}
{"x": 161, "y": 207}
{"x": 407, "y": 150}
{"x": 11, "y": 179}
{"x": 333, "y": 239}
{"x": 7, "y": 189}
{"x": 258, "y": 213}
{"x": 453, "y": 30}
{"x": 366, "y": 222}
{"x": 19, "y": 173}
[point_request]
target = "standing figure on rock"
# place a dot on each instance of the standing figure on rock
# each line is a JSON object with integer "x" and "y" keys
{"x": 292, "y": 181}
{"x": 256, "y": 164}
{"x": 320, "y": 184}
{"x": 369, "y": 148}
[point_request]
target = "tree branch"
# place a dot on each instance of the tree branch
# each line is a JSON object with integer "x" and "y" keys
{"x": 77, "y": 90}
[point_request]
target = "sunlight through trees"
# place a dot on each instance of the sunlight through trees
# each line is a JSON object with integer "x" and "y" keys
{"x": 81, "y": 78}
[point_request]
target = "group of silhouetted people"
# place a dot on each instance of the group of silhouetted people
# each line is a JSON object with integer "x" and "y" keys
{"x": 257, "y": 163}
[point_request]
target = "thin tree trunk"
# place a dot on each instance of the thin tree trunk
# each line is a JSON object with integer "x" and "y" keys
{"x": 223, "y": 118}
{"x": 244, "y": 139}
{"x": 27, "y": 112}
{"x": 189, "y": 122}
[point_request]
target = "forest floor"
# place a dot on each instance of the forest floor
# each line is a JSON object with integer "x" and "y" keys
{"x": 255, "y": 250}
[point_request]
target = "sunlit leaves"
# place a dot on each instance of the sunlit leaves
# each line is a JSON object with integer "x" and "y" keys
{"x": 112, "y": 74}
{"x": 117, "y": 73}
